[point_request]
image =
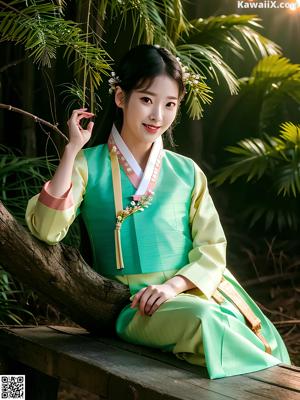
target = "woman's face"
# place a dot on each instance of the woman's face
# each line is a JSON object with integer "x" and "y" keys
{"x": 149, "y": 111}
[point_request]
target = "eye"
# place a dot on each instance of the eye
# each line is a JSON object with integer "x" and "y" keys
{"x": 171, "y": 104}
{"x": 146, "y": 100}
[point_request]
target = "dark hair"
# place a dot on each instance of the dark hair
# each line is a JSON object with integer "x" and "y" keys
{"x": 137, "y": 68}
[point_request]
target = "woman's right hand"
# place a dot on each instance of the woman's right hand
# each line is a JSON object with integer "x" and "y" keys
{"x": 78, "y": 136}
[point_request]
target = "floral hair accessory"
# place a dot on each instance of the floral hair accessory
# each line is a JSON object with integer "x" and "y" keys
{"x": 113, "y": 82}
{"x": 197, "y": 91}
{"x": 189, "y": 78}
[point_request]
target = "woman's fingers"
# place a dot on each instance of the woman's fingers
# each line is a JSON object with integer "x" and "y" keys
{"x": 78, "y": 110}
{"x": 84, "y": 115}
{"x": 149, "y": 293}
{"x": 137, "y": 297}
{"x": 151, "y": 302}
{"x": 77, "y": 116}
{"x": 150, "y": 298}
{"x": 90, "y": 126}
{"x": 156, "y": 305}
{"x": 141, "y": 297}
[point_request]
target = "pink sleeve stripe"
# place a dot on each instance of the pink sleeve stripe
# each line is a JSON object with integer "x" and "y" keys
{"x": 57, "y": 203}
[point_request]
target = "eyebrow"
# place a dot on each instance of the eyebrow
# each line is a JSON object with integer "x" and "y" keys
{"x": 154, "y": 94}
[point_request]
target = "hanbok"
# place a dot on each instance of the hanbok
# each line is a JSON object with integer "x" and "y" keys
{"x": 178, "y": 234}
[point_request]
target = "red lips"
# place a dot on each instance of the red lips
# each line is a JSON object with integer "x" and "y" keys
{"x": 151, "y": 128}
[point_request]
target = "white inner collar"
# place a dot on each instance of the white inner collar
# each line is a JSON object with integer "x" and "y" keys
{"x": 122, "y": 146}
{"x": 146, "y": 175}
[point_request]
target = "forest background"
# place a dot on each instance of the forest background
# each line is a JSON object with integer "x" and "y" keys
{"x": 240, "y": 123}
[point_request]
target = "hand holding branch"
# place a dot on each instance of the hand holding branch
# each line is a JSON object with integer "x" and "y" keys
{"x": 78, "y": 136}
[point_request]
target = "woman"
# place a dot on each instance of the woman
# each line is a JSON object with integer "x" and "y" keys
{"x": 153, "y": 226}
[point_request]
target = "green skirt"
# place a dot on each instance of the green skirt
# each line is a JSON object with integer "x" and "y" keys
{"x": 203, "y": 332}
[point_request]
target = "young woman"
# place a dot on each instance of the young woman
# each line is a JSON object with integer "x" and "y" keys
{"x": 153, "y": 226}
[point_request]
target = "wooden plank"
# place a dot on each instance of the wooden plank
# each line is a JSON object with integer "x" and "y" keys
{"x": 83, "y": 362}
{"x": 136, "y": 370}
{"x": 241, "y": 387}
{"x": 290, "y": 367}
{"x": 278, "y": 376}
{"x": 155, "y": 354}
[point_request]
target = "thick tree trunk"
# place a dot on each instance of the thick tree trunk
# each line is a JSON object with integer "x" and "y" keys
{"x": 61, "y": 276}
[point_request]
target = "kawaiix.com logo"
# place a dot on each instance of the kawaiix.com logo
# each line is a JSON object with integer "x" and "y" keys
{"x": 291, "y": 5}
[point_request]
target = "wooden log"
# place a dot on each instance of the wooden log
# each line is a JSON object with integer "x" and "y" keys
{"x": 61, "y": 276}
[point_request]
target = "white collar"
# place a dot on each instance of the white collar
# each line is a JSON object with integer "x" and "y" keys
{"x": 142, "y": 180}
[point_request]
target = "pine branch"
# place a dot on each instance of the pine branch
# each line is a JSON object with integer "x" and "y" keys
{"x": 36, "y": 119}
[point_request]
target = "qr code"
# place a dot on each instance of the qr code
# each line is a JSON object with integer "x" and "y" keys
{"x": 12, "y": 387}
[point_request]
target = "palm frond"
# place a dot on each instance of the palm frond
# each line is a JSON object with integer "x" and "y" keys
{"x": 206, "y": 61}
{"x": 231, "y": 32}
{"x": 290, "y": 132}
{"x": 275, "y": 66}
{"x": 196, "y": 97}
{"x": 143, "y": 17}
{"x": 38, "y": 28}
{"x": 278, "y": 157}
{"x": 175, "y": 20}
{"x": 74, "y": 96}
{"x": 274, "y": 215}
{"x": 251, "y": 160}
{"x": 287, "y": 180}
{"x": 273, "y": 81}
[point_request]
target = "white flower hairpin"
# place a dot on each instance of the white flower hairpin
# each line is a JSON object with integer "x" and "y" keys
{"x": 189, "y": 78}
{"x": 113, "y": 82}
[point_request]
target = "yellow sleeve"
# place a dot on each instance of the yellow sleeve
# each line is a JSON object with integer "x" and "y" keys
{"x": 207, "y": 259}
{"x": 49, "y": 217}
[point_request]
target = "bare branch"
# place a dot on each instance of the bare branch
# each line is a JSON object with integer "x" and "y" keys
{"x": 12, "y": 64}
{"x": 37, "y": 119}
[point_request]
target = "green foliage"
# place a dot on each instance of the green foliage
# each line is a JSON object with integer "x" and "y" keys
{"x": 229, "y": 32}
{"x": 278, "y": 157}
{"x": 74, "y": 96}
{"x": 269, "y": 161}
{"x": 10, "y": 309}
{"x": 274, "y": 81}
{"x": 20, "y": 179}
{"x": 41, "y": 28}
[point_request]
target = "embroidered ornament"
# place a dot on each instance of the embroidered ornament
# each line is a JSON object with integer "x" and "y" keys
{"x": 134, "y": 206}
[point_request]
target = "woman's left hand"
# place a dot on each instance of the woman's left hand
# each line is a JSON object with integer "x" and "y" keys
{"x": 151, "y": 297}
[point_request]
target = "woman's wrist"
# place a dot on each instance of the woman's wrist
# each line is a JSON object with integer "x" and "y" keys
{"x": 72, "y": 149}
{"x": 180, "y": 283}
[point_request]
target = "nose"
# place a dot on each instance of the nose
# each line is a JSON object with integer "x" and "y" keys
{"x": 156, "y": 114}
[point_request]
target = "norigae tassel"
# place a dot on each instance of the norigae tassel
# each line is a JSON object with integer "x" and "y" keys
{"x": 118, "y": 247}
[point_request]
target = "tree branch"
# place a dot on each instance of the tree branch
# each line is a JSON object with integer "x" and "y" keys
{"x": 37, "y": 119}
{"x": 12, "y": 64}
{"x": 61, "y": 276}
